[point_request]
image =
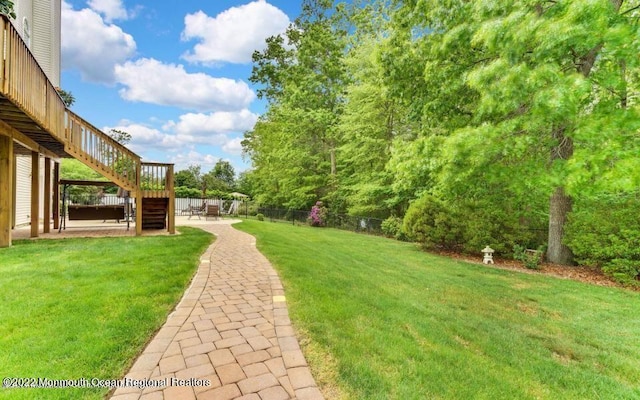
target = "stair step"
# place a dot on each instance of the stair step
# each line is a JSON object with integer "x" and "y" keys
{"x": 154, "y": 213}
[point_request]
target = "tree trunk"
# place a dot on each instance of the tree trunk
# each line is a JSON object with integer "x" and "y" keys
{"x": 559, "y": 208}
{"x": 559, "y": 204}
{"x": 334, "y": 168}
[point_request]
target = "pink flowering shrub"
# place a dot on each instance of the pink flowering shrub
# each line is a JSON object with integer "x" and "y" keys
{"x": 317, "y": 215}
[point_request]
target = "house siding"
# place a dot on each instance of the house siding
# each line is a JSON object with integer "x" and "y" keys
{"x": 46, "y": 37}
{"x": 23, "y": 190}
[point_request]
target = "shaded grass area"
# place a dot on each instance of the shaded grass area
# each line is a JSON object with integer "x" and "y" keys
{"x": 84, "y": 308}
{"x": 397, "y": 323}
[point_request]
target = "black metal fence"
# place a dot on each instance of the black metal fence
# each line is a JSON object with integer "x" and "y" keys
{"x": 338, "y": 221}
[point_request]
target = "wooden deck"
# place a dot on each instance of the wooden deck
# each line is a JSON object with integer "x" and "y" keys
{"x": 35, "y": 121}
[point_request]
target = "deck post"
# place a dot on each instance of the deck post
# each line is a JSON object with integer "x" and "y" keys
{"x": 35, "y": 193}
{"x": 6, "y": 189}
{"x": 171, "y": 217}
{"x": 56, "y": 195}
{"x": 138, "y": 199}
{"x": 46, "y": 223}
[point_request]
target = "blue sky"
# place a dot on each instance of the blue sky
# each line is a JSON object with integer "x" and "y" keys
{"x": 174, "y": 74}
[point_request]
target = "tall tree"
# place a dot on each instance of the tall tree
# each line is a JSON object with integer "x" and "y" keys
{"x": 548, "y": 74}
{"x": 302, "y": 76}
{"x": 223, "y": 171}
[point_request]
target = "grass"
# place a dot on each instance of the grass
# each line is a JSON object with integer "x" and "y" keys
{"x": 383, "y": 320}
{"x": 84, "y": 308}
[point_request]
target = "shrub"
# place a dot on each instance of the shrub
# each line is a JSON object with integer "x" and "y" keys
{"x": 530, "y": 260}
{"x": 260, "y": 216}
{"x": 623, "y": 270}
{"x": 253, "y": 208}
{"x": 431, "y": 224}
{"x": 317, "y": 216}
{"x": 188, "y": 193}
{"x": 606, "y": 233}
{"x": 392, "y": 227}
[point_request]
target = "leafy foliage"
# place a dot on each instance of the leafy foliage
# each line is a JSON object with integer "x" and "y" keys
{"x": 530, "y": 258}
{"x": 75, "y": 170}
{"x": 392, "y": 227}
{"x": 478, "y": 123}
{"x": 318, "y": 215}
{"x": 430, "y": 223}
{"x": 67, "y": 97}
{"x": 605, "y": 232}
{"x": 6, "y": 8}
{"x": 216, "y": 183}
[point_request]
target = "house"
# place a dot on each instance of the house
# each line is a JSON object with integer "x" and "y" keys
{"x": 37, "y": 131}
{"x": 36, "y": 22}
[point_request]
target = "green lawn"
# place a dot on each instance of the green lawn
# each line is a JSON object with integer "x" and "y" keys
{"x": 84, "y": 308}
{"x": 384, "y": 320}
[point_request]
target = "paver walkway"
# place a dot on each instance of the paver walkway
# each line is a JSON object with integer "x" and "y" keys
{"x": 230, "y": 330}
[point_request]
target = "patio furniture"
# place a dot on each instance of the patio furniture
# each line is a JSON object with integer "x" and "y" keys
{"x": 197, "y": 211}
{"x": 213, "y": 211}
{"x": 97, "y": 212}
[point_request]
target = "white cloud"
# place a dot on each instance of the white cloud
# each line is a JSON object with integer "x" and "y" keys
{"x": 233, "y": 146}
{"x": 110, "y": 9}
{"x": 144, "y": 138}
{"x": 150, "y": 81}
{"x": 91, "y": 46}
{"x": 221, "y": 122}
{"x": 233, "y": 35}
{"x": 184, "y": 160}
{"x": 193, "y": 133}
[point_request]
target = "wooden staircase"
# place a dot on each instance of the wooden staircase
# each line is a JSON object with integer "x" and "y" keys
{"x": 33, "y": 114}
{"x": 100, "y": 152}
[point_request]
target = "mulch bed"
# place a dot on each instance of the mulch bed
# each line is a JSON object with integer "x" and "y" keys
{"x": 577, "y": 273}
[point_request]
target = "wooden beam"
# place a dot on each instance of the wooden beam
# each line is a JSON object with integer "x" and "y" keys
{"x": 171, "y": 217}
{"x": 56, "y": 195}
{"x": 138, "y": 200}
{"x": 35, "y": 193}
{"x": 25, "y": 141}
{"x": 85, "y": 183}
{"x": 46, "y": 222}
{"x": 6, "y": 190}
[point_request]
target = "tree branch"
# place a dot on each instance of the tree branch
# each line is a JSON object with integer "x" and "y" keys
{"x": 629, "y": 10}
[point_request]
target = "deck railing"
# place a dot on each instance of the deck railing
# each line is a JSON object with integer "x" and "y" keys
{"x": 156, "y": 179}
{"x": 84, "y": 140}
{"x": 23, "y": 81}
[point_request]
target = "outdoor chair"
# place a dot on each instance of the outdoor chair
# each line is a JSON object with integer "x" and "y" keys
{"x": 197, "y": 211}
{"x": 213, "y": 211}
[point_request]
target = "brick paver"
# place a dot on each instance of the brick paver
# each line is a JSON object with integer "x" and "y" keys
{"x": 230, "y": 336}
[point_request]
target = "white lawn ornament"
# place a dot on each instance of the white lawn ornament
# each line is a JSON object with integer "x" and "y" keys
{"x": 488, "y": 255}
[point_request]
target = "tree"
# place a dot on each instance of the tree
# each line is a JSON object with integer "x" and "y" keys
{"x": 304, "y": 83}
{"x": 72, "y": 169}
{"x": 185, "y": 178}
{"x": 6, "y": 8}
{"x": 67, "y": 97}
{"x": 224, "y": 172}
{"x": 120, "y": 136}
{"x": 543, "y": 78}
{"x": 245, "y": 183}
